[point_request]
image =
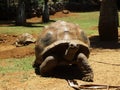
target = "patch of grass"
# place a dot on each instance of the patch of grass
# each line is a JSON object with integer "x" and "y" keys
{"x": 13, "y": 65}
{"x": 32, "y": 28}
{"x": 19, "y": 30}
{"x": 87, "y": 21}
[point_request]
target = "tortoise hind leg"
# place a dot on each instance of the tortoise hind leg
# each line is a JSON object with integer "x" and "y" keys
{"x": 82, "y": 63}
{"x": 48, "y": 65}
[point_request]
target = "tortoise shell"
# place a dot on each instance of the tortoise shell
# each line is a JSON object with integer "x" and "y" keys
{"x": 24, "y": 39}
{"x": 57, "y": 37}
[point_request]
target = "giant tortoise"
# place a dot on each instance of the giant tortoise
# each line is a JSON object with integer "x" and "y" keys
{"x": 24, "y": 39}
{"x": 62, "y": 43}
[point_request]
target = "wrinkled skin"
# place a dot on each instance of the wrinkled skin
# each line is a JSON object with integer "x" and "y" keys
{"x": 71, "y": 47}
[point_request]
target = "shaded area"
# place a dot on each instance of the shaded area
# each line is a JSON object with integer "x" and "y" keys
{"x": 27, "y": 24}
{"x": 97, "y": 43}
{"x": 80, "y": 7}
{"x": 31, "y": 22}
{"x": 7, "y": 23}
{"x": 13, "y": 24}
{"x": 65, "y": 72}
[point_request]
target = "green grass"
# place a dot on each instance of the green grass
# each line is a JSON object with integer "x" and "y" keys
{"x": 19, "y": 29}
{"x": 13, "y": 65}
{"x": 87, "y": 21}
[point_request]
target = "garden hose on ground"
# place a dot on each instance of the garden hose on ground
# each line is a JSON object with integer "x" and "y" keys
{"x": 75, "y": 85}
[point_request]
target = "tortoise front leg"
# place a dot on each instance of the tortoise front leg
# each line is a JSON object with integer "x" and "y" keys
{"x": 82, "y": 63}
{"x": 48, "y": 65}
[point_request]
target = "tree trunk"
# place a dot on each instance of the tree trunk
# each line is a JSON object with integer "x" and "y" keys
{"x": 21, "y": 18}
{"x": 108, "y": 20}
{"x": 45, "y": 12}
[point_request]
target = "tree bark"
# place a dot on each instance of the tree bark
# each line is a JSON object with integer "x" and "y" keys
{"x": 108, "y": 20}
{"x": 21, "y": 17}
{"x": 45, "y": 12}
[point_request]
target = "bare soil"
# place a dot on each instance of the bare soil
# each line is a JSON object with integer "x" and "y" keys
{"x": 104, "y": 59}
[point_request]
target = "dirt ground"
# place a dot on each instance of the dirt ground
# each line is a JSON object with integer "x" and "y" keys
{"x": 104, "y": 59}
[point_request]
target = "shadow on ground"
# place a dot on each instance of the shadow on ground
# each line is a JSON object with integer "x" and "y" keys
{"x": 13, "y": 24}
{"x": 97, "y": 43}
{"x": 65, "y": 72}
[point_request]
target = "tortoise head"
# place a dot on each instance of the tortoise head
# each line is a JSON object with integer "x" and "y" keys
{"x": 71, "y": 51}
